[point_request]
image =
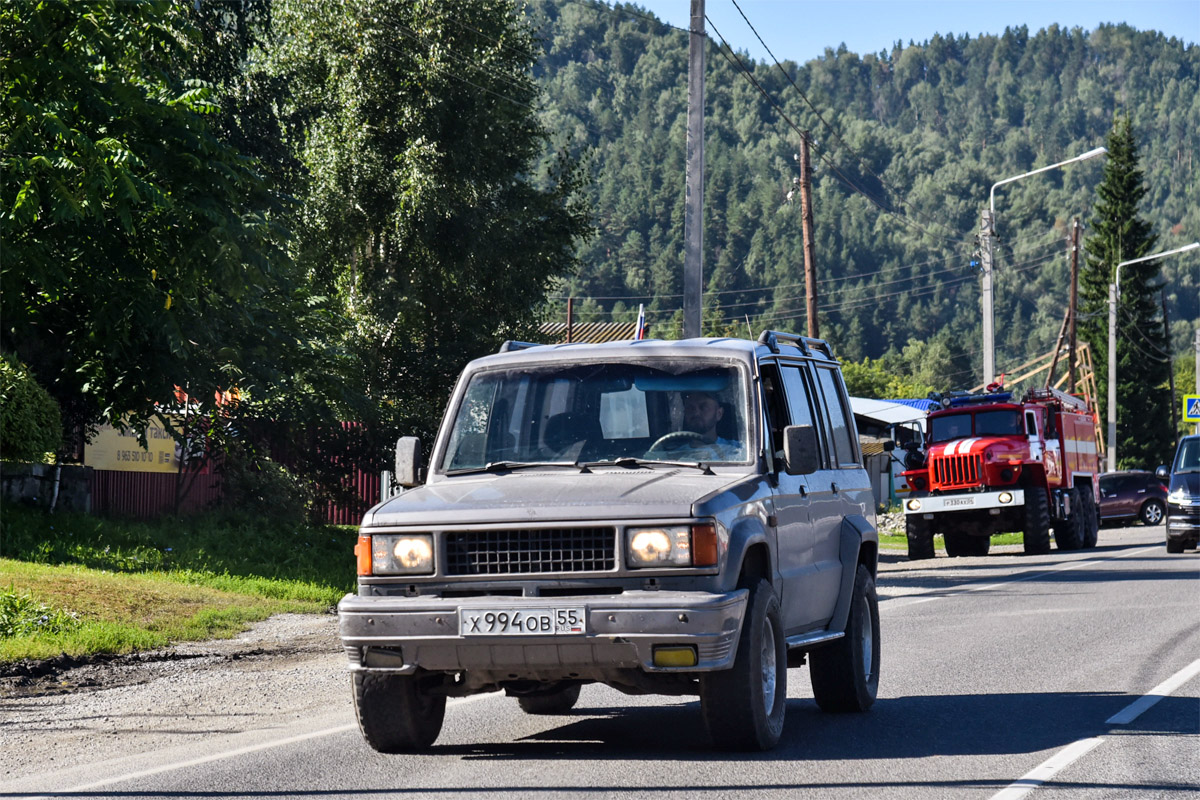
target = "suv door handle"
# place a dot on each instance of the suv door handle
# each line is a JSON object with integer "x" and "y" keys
{"x": 834, "y": 487}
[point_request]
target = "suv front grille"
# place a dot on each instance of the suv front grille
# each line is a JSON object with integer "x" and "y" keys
{"x": 526, "y": 551}
{"x": 956, "y": 470}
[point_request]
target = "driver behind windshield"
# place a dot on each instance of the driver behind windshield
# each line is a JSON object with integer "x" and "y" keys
{"x": 702, "y": 414}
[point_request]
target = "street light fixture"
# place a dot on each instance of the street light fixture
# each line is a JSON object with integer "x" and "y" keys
{"x": 987, "y": 231}
{"x": 1114, "y": 292}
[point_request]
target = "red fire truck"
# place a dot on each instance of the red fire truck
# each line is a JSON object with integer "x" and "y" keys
{"x": 995, "y": 464}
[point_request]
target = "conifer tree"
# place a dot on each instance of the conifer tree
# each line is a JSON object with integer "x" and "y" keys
{"x": 1117, "y": 235}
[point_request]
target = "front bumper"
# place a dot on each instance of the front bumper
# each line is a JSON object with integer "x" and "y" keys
{"x": 402, "y": 634}
{"x": 1183, "y": 522}
{"x": 968, "y": 501}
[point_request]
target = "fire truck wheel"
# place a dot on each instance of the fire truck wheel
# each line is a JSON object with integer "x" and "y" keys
{"x": 920, "y": 539}
{"x": 1037, "y": 522}
{"x": 1091, "y": 517}
{"x": 1068, "y": 533}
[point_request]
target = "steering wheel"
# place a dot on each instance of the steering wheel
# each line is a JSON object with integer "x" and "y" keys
{"x": 676, "y": 436}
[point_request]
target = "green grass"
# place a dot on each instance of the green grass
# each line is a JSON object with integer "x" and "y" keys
{"x": 900, "y": 541}
{"x": 114, "y": 586}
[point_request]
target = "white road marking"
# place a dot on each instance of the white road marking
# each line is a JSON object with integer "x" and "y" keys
{"x": 897, "y": 602}
{"x": 1077, "y": 750}
{"x": 1164, "y": 689}
{"x": 1047, "y": 769}
{"x": 240, "y": 751}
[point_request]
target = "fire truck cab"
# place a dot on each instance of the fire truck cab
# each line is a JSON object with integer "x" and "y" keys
{"x": 994, "y": 464}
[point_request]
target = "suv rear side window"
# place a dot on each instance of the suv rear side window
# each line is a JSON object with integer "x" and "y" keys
{"x": 843, "y": 443}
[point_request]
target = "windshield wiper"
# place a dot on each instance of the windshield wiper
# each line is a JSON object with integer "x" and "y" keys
{"x": 505, "y": 466}
{"x": 630, "y": 461}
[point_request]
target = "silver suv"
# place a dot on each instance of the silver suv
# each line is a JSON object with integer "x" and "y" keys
{"x": 668, "y": 517}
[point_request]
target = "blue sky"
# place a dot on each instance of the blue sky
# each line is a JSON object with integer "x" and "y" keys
{"x": 800, "y": 30}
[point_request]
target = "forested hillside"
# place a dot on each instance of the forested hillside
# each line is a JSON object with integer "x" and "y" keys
{"x": 906, "y": 145}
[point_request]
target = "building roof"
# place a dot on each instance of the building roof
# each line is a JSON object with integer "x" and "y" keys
{"x": 556, "y": 332}
{"x": 888, "y": 412}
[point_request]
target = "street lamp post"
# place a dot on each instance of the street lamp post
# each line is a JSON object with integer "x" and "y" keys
{"x": 987, "y": 231}
{"x": 1114, "y": 293}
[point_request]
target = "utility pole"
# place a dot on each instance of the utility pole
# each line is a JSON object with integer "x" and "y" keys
{"x": 986, "y": 231}
{"x": 1197, "y": 429}
{"x": 693, "y": 214}
{"x": 806, "y": 213}
{"x": 1074, "y": 304}
{"x": 570, "y": 318}
{"x": 1170, "y": 372}
{"x": 1112, "y": 374}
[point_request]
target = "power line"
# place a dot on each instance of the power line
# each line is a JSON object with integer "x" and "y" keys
{"x": 736, "y": 63}
{"x": 831, "y": 129}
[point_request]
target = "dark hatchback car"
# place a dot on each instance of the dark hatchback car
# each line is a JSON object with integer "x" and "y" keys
{"x": 1132, "y": 495}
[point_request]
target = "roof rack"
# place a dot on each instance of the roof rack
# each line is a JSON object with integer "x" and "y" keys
{"x": 805, "y": 344}
{"x": 511, "y": 346}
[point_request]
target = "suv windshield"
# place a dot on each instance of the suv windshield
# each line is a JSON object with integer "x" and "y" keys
{"x": 571, "y": 413}
{"x": 1188, "y": 459}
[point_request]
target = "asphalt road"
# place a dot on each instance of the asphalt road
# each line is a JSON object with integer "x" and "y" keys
{"x": 1071, "y": 675}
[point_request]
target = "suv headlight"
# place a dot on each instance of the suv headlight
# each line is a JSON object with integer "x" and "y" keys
{"x": 398, "y": 554}
{"x": 1179, "y": 497}
{"x": 671, "y": 546}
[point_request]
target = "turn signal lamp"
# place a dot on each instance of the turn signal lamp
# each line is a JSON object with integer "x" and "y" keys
{"x": 395, "y": 554}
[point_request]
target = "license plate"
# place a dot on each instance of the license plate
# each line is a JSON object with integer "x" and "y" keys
{"x": 954, "y": 502}
{"x": 521, "y": 622}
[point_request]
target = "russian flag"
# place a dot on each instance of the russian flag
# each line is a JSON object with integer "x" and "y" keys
{"x": 641, "y": 323}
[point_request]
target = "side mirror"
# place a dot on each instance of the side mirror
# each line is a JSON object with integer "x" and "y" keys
{"x": 911, "y": 445}
{"x": 1162, "y": 473}
{"x": 889, "y": 446}
{"x": 800, "y": 450}
{"x": 408, "y": 461}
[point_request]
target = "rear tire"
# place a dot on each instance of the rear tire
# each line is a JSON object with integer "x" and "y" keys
{"x": 1152, "y": 511}
{"x": 845, "y": 673}
{"x": 920, "y": 538}
{"x": 397, "y": 713}
{"x": 1091, "y": 517}
{"x": 1068, "y": 533}
{"x": 1037, "y": 522}
{"x": 557, "y": 702}
{"x": 744, "y": 706}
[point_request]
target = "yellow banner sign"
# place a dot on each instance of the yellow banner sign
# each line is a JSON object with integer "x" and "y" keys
{"x": 116, "y": 450}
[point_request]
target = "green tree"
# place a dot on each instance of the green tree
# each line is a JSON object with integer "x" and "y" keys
{"x": 1119, "y": 234}
{"x": 422, "y": 210}
{"x": 139, "y": 250}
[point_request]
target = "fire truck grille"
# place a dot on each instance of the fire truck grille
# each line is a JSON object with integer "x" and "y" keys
{"x": 956, "y": 470}
{"x": 524, "y": 551}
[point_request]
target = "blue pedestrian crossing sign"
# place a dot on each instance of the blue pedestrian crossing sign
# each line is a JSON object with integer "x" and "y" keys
{"x": 1191, "y": 407}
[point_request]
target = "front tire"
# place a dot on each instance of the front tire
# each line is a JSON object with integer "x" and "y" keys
{"x": 744, "y": 706}
{"x": 920, "y": 538}
{"x": 397, "y": 713}
{"x": 1174, "y": 545}
{"x": 1037, "y": 522}
{"x": 1152, "y": 511}
{"x": 845, "y": 674}
{"x": 551, "y": 703}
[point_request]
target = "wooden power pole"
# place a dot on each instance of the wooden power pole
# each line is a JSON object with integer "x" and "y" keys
{"x": 693, "y": 209}
{"x": 806, "y": 212}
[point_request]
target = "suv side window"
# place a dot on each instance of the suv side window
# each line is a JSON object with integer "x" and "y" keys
{"x": 775, "y": 405}
{"x": 799, "y": 398}
{"x": 844, "y": 450}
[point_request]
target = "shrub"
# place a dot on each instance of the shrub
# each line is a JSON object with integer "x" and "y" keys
{"x": 30, "y": 422}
